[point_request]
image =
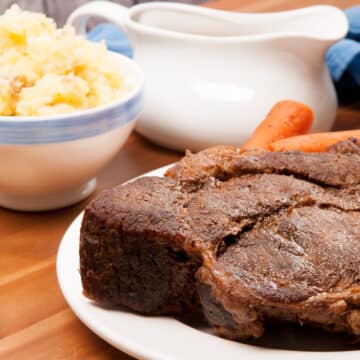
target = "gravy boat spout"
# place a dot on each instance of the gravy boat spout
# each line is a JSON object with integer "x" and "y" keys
{"x": 322, "y": 22}
{"x": 314, "y": 27}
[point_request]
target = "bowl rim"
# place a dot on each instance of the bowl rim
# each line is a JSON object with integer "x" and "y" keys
{"x": 71, "y": 116}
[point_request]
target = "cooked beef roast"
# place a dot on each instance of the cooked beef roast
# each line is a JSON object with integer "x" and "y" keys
{"x": 223, "y": 162}
{"x": 244, "y": 238}
{"x": 352, "y": 146}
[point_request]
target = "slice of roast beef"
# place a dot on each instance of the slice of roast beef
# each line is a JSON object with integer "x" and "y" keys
{"x": 299, "y": 265}
{"x": 245, "y": 238}
{"x": 337, "y": 168}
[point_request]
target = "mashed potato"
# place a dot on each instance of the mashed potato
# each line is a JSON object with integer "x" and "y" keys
{"x": 45, "y": 70}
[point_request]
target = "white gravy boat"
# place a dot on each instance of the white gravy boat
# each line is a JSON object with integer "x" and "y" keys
{"x": 211, "y": 75}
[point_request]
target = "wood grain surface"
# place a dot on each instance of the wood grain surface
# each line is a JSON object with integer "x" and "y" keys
{"x": 35, "y": 322}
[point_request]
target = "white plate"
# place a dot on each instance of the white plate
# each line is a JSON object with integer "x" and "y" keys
{"x": 163, "y": 338}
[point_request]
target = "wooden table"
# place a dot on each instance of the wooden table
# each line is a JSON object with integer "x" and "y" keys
{"x": 35, "y": 321}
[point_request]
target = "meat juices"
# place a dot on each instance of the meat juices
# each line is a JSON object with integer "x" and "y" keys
{"x": 244, "y": 238}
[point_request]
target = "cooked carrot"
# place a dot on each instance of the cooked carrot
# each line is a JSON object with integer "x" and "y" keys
{"x": 317, "y": 142}
{"x": 286, "y": 118}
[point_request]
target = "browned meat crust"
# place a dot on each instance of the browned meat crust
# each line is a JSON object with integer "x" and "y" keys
{"x": 245, "y": 238}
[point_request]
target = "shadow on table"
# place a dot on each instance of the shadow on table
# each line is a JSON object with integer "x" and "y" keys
{"x": 292, "y": 337}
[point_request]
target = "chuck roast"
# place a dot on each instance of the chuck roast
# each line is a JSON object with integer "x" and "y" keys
{"x": 243, "y": 238}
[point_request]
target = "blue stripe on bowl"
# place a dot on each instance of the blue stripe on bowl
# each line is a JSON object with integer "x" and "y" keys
{"x": 70, "y": 128}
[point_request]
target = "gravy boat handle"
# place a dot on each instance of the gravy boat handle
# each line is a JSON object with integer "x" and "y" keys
{"x": 112, "y": 12}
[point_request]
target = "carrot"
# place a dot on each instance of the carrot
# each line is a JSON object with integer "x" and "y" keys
{"x": 317, "y": 142}
{"x": 286, "y": 118}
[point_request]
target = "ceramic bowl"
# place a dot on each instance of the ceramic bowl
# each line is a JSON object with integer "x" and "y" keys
{"x": 49, "y": 162}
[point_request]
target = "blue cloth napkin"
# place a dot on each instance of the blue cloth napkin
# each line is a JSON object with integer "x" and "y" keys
{"x": 343, "y": 58}
{"x": 114, "y": 38}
